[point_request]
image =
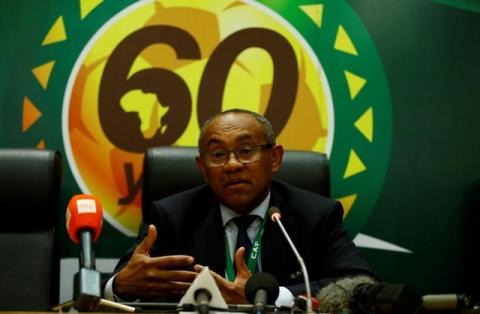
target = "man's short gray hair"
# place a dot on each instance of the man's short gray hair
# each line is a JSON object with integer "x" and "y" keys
{"x": 267, "y": 126}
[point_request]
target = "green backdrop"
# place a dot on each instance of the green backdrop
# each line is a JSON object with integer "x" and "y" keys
{"x": 429, "y": 200}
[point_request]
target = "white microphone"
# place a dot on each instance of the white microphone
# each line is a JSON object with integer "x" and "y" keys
{"x": 274, "y": 214}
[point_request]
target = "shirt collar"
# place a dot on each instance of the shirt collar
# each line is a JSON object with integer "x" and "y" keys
{"x": 228, "y": 214}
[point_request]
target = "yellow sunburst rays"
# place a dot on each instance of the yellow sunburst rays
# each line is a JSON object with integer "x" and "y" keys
{"x": 57, "y": 33}
{"x": 355, "y": 84}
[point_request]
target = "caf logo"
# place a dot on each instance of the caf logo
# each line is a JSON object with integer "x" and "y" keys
{"x": 152, "y": 72}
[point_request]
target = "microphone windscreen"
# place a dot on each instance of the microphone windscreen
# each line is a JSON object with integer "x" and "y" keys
{"x": 338, "y": 295}
{"x": 84, "y": 212}
{"x": 263, "y": 281}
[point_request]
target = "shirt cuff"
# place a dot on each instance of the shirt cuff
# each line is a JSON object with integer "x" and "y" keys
{"x": 108, "y": 291}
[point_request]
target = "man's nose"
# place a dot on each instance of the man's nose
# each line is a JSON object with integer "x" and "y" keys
{"x": 232, "y": 163}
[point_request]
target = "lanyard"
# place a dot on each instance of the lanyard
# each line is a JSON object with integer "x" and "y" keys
{"x": 253, "y": 258}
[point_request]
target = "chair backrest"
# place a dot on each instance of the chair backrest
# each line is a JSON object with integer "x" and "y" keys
{"x": 30, "y": 182}
{"x": 168, "y": 170}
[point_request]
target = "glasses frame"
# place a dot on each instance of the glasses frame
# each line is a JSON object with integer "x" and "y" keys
{"x": 234, "y": 151}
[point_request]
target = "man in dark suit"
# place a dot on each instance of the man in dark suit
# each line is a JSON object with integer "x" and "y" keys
{"x": 199, "y": 227}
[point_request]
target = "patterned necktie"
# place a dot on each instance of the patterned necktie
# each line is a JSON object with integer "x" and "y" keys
{"x": 243, "y": 222}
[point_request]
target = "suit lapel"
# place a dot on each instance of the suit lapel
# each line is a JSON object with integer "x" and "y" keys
{"x": 277, "y": 256}
{"x": 209, "y": 239}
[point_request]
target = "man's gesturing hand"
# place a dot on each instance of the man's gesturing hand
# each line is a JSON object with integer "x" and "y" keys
{"x": 233, "y": 292}
{"x": 145, "y": 277}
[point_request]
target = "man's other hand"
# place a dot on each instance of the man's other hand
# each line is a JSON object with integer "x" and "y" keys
{"x": 233, "y": 292}
{"x": 146, "y": 277}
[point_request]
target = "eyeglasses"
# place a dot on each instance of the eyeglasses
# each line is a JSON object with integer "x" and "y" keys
{"x": 244, "y": 154}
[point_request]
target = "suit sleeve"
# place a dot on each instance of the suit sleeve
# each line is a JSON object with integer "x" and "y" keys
{"x": 333, "y": 255}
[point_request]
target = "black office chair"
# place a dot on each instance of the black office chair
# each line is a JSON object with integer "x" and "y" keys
{"x": 168, "y": 170}
{"x": 29, "y": 198}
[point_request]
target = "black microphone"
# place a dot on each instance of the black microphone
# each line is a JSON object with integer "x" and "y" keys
{"x": 261, "y": 289}
{"x": 385, "y": 298}
{"x": 274, "y": 214}
{"x": 202, "y": 299}
{"x": 363, "y": 294}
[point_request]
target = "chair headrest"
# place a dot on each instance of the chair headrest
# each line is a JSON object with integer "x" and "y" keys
{"x": 168, "y": 170}
{"x": 30, "y": 182}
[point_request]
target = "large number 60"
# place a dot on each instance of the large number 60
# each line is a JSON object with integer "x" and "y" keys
{"x": 123, "y": 129}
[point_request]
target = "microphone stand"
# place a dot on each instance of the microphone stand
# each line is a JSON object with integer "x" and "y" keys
{"x": 100, "y": 304}
{"x": 89, "y": 278}
{"x": 302, "y": 265}
{"x": 89, "y": 294}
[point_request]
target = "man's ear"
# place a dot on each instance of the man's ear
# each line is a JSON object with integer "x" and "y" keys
{"x": 277, "y": 157}
{"x": 201, "y": 167}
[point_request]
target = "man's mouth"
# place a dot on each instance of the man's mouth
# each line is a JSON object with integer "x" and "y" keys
{"x": 235, "y": 182}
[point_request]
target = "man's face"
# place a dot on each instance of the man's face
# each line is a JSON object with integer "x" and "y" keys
{"x": 239, "y": 186}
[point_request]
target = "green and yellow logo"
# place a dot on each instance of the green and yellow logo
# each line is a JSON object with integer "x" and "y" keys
{"x": 148, "y": 73}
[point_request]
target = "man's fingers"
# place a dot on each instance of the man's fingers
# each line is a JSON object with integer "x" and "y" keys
{"x": 219, "y": 279}
{"x": 240, "y": 265}
{"x": 147, "y": 243}
{"x": 155, "y": 289}
{"x": 173, "y": 262}
{"x": 179, "y": 277}
{"x": 233, "y": 292}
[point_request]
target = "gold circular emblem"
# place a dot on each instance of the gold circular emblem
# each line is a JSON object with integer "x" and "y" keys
{"x": 157, "y": 70}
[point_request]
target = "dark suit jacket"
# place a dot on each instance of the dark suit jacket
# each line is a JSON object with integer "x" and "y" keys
{"x": 190, "y": 223}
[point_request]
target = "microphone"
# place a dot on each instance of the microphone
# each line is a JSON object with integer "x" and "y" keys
{"x": 338, "y": 295}
{"x": 274, "y": 214}
{"x": 386, "y": 298}
{"x": 202, "y": 299}
{"x": 448, "y": 301}
{"x": 261, "y": 289}
{"x": 84, "y": 223}
{"x": 363, "y": 294}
